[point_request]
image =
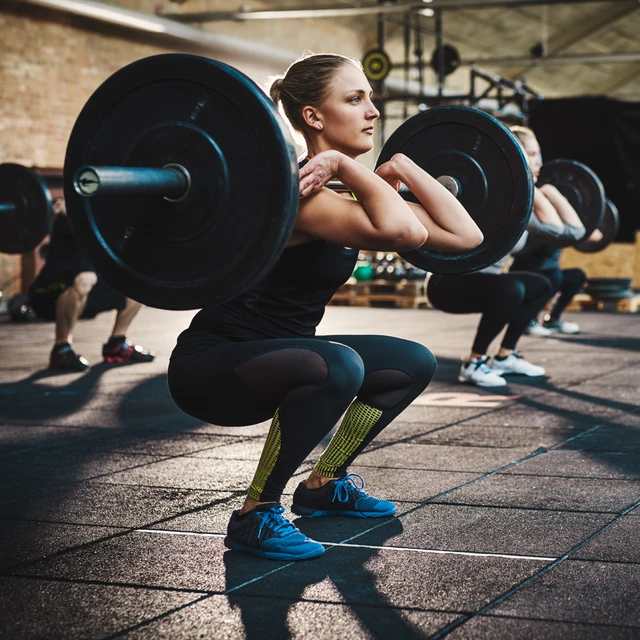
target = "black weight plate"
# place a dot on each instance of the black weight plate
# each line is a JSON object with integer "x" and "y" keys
{"x": 484, "y": 157}
{"x": 376, "y": 64}
{"x": 609, "y": 282}
{"x": 229, "y": 230}
{"x": 580, "y": 186}
{"x": 450, "y": 56}
{"x": 26, "y": 219}
{"x": 604, "y": 288}
{"x": 609, "y": 226}
{"x": 619, "y": 294}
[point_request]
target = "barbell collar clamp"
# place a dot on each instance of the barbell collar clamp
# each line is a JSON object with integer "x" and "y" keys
{"x": 171, "y": 182}
{"x": 451, "y": 184}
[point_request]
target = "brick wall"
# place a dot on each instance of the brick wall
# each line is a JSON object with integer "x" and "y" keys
{"x": 51, "y": 62}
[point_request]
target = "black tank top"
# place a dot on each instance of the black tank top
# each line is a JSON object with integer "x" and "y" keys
{"x": 289, "y": 302}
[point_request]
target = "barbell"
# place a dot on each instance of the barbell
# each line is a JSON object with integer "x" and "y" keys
{"x": 181, "y": 181}
{"x": 25, "y": 209}
{"x": 609, "y": 226}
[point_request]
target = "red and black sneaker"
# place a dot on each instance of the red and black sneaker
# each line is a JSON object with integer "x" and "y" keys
{"x": 123, "y": 351}
{"x": 64, "y": 357}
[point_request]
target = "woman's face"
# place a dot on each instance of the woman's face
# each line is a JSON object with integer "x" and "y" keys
{"x": 347, "y": 114}
{"x": 534, "y": 157}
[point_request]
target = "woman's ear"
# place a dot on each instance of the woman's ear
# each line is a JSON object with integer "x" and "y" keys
{"x": 311, "y": 118}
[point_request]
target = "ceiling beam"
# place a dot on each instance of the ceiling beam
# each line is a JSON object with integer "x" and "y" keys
{"x": 624, "y": 57}
{"x": 340, "y": 10}
{"x": 620, "y": 80}
{"x": 580, "y": 31}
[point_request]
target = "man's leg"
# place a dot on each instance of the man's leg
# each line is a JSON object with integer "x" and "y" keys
{"x": 124, "y": 317}
{"x": 118, "y": 348}
{"x": 69, "y": 307}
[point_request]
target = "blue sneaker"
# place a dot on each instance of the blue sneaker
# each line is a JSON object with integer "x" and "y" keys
{"x": 266, "y": 533}
{"x": 340, "y": 497}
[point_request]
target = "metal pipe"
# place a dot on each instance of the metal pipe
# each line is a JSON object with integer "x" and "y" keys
{"x": 223, "y": 45}
{"x": 382, "y": 37}
{"x": 171, "y": 183}
{"x": 575, "y": 59}
{"x": 340, "y": 11}
{"x": 440, "y": 52}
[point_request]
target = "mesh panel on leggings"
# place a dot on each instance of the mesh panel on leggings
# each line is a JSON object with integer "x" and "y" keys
{"x": 267, "y": 459}
{"x": 385, "y": 388}
{"x": 350, "y": 434}
{"x": 272, "y": 375}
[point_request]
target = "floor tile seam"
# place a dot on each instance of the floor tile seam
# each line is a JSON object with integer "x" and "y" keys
{"x": 341, "y": 603}
{"x": 560, "y": 621}
{"x": 117, "y": 534}
{"x": 455, "y": 552}
{"x": 157, "y": 618}
{"x": 408, "y": 439}
{"x": 429, "y": 469}
{"x": 510, "y": 465}
{"x": 524, "y": 508}
{"x": 50, "y": 489}
{"x": 424, "y": 503}
{"x": 148, "y": 486}
{"x": 551, "y": 475}
{"x": 598, "y": 452}
{"x": 88, "y": 525}
{"x": 610, "y": 403}
{"x": 104, "y": 583}
{"x": 607, "y": 561}
{"x": 577, "y": 436}
{"x": 482, "y": 447}
{"x": 104, "y": 475}
{"x": 395, "y": 549}
{"x": 99, "y": 453}
{"x": 510, "y": 592}
{"x": 597, "y": 376}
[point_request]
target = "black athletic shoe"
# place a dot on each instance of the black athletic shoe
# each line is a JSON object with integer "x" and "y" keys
{"x": 267, "y": 533}
{"x": 340, "y": 497}
{"x": 64, "y": 357}
{"x": 124, "y": 351}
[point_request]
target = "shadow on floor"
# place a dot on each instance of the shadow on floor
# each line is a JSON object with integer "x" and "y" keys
{"x": 343, "y": 570}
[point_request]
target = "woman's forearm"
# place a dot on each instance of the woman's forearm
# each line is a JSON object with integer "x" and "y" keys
{"x": 449, "y": 224}
{"x": 567, "y": 213}
{"x": 387, "y": 211}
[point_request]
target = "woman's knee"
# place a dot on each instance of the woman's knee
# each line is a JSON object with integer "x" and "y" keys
{"x": 84, "y": 282}
{"x": 418, "y": 362}
{"x": 511, "y": 293}
{"x": 345, "y": 367}
{"x": 573, "y": 277}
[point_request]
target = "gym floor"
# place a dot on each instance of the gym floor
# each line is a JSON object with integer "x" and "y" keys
{"x": 517, "y": 509}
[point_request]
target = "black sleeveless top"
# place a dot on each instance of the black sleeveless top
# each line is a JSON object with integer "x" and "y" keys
{"x": 288, "y": 303}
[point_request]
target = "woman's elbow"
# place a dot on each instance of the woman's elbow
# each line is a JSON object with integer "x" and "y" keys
{"x": 474, "y": 238}
{"x": 410, "y": 240}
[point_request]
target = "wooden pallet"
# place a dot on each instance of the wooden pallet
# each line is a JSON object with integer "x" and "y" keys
{"x": 406, "y": 294}
{"x": 584, "y": 302}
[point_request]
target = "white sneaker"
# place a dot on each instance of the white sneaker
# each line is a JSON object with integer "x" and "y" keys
{"x": 515, "y": 363}
{"x": 561, "y": 326}
{"x": 477, "y": 372}
{"x": 535, "y": 329}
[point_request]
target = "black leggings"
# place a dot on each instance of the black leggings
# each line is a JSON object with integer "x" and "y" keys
{"x": 567, "y": 282}
{"x": 310, "y": 382}
{"x": 505, "y": 298}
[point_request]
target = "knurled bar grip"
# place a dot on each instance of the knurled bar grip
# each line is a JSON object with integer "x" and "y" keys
{"x": 169, "y": 182}
{"x": 7, "y": 207}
